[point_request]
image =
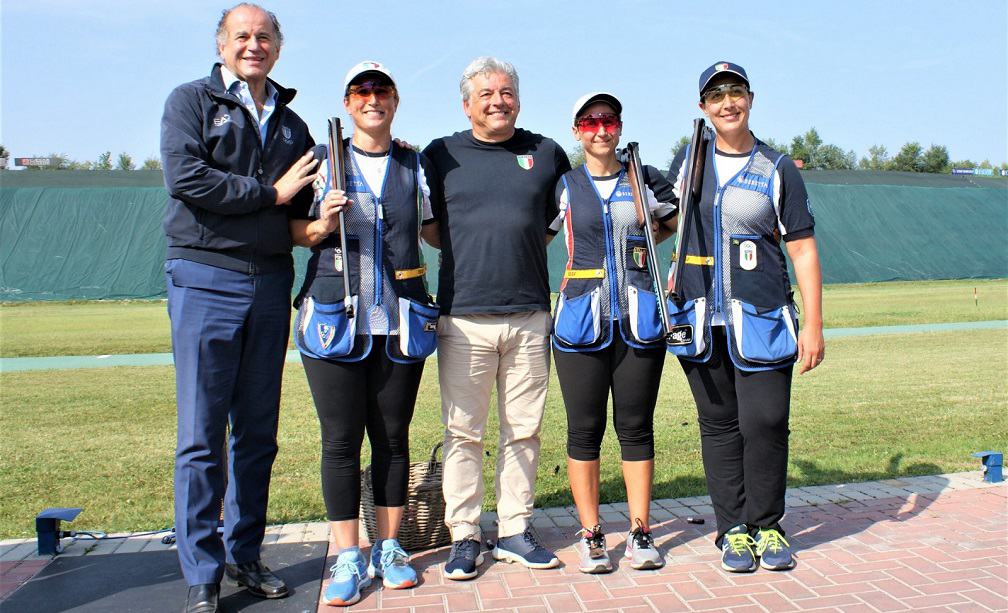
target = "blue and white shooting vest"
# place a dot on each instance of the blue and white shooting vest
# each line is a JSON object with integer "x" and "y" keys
{"x": 606, "y": 281}
{"x": 387, "y": 274}
{"x": 732, "y": 265}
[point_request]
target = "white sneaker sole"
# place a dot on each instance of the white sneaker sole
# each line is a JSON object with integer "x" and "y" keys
{"x": 739, "y": 570}
{"x": 599, "y": 569}
{"x": 513, "y": 558}
{"x": 647, "y": 565}
{"x": 459, "y": 575}
{"x": 769, "y": 567}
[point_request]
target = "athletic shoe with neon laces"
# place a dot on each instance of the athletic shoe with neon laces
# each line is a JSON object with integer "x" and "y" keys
{"x": 641, "y": 551}
{"x": 465, "y": 556}
{"x": 773, "y": 551}
{"x": 390, "y": 562}
{"x": 593, "y": 558}
{"x": 349, "y": 577}
{"x": 736, "y": 551}
{"x": 525, "y": 550}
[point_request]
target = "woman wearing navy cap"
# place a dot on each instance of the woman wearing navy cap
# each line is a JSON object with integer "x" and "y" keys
{"x": 737, "y": 297}
{"x": 364, "y": 363}
{"x": 607, "y": 333}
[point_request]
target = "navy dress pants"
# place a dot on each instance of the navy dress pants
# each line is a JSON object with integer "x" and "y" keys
{"x": 229, "y": 340}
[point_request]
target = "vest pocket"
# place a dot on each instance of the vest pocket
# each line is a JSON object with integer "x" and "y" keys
{"x": 417, "y": 328}
{"x": 577, "y": 320}
{"x": 645, "y": 321}
{"x": 763, "y": 336}
{"x": 689, "y": 324}
{"x": 323, "y": 330}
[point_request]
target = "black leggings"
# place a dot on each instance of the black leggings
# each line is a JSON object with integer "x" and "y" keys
{"x": 744, "y": 437}
{"x": 586, "y": 379}
{"x": 377, "y": 395}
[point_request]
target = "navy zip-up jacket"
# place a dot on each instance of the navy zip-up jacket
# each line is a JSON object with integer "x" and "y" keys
{"x": 222, "y": 207}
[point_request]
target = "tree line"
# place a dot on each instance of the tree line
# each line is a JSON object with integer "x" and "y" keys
{"x": 815, "y": 154}
{"x": 808, "y": 147}
{"x": 912, "y": 157}
{"x": 60, "y": 161}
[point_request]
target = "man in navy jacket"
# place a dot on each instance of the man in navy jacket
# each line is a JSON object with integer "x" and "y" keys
{"x": 234, "y": 157}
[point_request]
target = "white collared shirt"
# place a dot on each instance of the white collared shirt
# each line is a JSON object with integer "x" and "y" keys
{"x": 240, "y": 88}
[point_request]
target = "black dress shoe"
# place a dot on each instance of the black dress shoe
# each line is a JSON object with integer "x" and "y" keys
{"x": 202, "y": 598}
{"x": 259, "y": 580}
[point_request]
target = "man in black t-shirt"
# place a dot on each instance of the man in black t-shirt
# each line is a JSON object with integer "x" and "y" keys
{"x": 492, "y": 191}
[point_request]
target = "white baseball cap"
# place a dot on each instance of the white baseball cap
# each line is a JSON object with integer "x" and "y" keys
{"x": 587, "y": 99}
{"x": 363, "y": 67}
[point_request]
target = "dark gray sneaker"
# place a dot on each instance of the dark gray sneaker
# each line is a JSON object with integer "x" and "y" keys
{"x": 593, "y": 558}
{"x": 737, "y": 551}
{"x": 525, "y": 550}
{"x": 773, "y": 551}
{"x": 465, "y": 556}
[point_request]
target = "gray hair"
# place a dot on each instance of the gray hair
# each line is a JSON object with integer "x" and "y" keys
{"x": 486, "y": 65}
{"x": 222, "y": 32}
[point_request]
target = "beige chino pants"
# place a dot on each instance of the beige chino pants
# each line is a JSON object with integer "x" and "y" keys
{"x": 474, "y": 352}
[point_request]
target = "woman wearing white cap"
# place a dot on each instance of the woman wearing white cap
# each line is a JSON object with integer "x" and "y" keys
{"x": 736, "y": 292}
{"x": 364, "y": 354}
{"x": 607, "y": 335}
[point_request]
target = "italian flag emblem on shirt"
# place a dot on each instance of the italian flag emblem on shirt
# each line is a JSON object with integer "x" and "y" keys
{"x": 525, "y": 161}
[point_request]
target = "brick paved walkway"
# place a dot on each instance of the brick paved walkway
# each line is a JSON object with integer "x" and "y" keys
{"x": 935, "y": 543}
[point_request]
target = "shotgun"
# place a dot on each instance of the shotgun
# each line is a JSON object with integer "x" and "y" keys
{"x": 687, "y": 197}
{"x": 639, "y": 189}
{"x": 337, "y": 180}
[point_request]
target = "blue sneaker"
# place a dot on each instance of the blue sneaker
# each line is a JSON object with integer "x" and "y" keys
{"x": 525, "y": 550}
{"x": 774, "y": 552}
{"x": 349, "y": 577}
{"x": 465, "y": 556}
{"x": 736, "y": 551}
{"x": 390, "y": 562}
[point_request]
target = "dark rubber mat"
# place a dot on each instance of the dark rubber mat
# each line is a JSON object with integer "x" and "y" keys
{"x": 152, "y": 581}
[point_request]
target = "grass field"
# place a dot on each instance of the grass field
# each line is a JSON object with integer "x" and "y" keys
{"x": 880, "y": 406}
{"x": 97, "y": 328}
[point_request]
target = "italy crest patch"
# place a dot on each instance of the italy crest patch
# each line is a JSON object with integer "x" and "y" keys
{"x": 525, "y": 161}
{"x": 326, "y": 335}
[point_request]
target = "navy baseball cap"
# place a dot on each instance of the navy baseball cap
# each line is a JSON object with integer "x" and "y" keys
{"x": 719, "y": 68}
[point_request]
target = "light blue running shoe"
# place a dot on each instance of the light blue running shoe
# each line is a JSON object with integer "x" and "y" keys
{"x": 349, "y": 577}
{"x": 390, "y": 562}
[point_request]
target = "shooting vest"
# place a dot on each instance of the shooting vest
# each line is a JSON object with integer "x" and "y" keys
{"x": 606, "y": 281}
{"x": 387, "y": 274}
{"x": 733, "y": 265}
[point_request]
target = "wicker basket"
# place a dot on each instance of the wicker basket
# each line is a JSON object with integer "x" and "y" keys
{"x": 422, "y": 525}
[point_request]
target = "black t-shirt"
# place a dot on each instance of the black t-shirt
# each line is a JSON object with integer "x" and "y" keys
{"x": 494, "y": 202}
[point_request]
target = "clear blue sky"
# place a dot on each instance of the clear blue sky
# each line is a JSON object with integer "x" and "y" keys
{"x": 83, "y": 76}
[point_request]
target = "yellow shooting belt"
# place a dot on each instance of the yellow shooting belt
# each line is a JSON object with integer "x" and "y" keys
{"x": 584, "y": 273}
{"x": 700, "y": 260}
{"x": 410, "y": 273}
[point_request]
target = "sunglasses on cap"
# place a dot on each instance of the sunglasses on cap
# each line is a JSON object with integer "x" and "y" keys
{"x": 717, "y": 94}
{"x": 592, "y": 123}
{"x": 365, "y": 90}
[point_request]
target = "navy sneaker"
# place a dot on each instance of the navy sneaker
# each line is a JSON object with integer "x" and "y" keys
{"x": 525, "y": 550}
{"x": 736, "y": 551}
{"x": 774, "y": 552}
{"x": 465, "y": 556}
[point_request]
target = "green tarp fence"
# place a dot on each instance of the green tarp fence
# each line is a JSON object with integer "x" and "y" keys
{"x": 68, "y": 235}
